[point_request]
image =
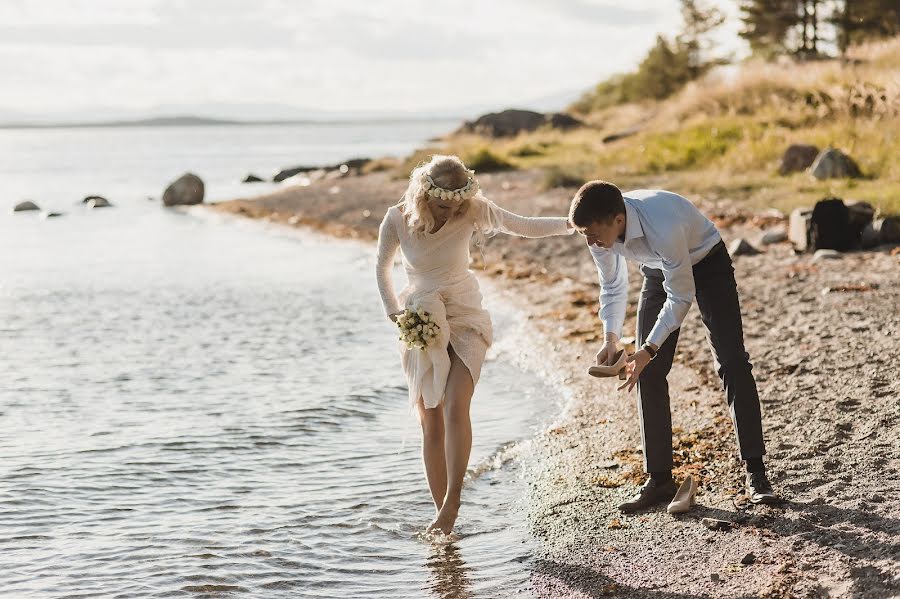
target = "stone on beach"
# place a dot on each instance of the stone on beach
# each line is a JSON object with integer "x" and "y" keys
{"x": 882, "y": 230}
{"x": 188, "y": 189}
{"x": 715, "y": 524}
{"x": 798, "y": 157}
{"x": 741, "y": 247}
{"x": 834, "y": 164}
{"x": 251, "y": 178}
{"x": 25, "y": 206}
{"x": 821, "y": 255}
{"x": 774, "y": 236}
{"x": 46, "y": 215}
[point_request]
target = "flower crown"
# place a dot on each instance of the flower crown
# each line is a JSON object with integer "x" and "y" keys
{"x": 466, "y": 192}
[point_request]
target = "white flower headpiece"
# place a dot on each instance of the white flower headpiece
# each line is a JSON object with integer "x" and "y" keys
{"x": 466, "y": 192}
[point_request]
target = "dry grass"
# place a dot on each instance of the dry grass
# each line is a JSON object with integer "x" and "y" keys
{"x": 722, "y": 137}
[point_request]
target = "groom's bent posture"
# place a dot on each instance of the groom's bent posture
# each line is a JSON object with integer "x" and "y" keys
{"x": 682, "y": 257}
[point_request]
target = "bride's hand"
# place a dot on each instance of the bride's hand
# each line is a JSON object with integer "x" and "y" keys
{"x": 394, "y": 316}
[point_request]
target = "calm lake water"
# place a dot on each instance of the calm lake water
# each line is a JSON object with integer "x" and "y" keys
{"x": 194, "y": 405}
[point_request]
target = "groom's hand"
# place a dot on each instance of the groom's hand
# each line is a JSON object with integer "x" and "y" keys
{"x": 607, "y": 353}
{"x": 634, "y": 365}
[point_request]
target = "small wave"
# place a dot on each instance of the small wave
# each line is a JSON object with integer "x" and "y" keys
{"x": 496, "y": 460}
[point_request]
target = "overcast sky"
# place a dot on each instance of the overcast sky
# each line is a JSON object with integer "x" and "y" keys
{"x": 61, "y": 56}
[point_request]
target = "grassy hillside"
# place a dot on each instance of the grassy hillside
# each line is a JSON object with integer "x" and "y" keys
{"x": 723, "y": 136}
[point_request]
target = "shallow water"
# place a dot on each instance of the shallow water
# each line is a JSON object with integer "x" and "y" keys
{"x": 192, "y": 404}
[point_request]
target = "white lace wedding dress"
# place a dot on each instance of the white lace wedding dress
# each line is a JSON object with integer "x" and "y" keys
{"x": 440, "y": 282}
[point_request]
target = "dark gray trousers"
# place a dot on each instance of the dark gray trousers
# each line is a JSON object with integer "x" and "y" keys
{"x": 720, "y": 310}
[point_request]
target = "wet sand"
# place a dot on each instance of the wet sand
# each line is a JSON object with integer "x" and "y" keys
{"x": 824, "y": 339}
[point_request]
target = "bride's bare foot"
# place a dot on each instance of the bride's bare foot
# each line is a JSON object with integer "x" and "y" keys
{"x": 446, "y": 517}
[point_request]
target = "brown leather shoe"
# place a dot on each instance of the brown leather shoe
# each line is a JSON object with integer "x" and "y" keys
{"x": 650, "y": 494}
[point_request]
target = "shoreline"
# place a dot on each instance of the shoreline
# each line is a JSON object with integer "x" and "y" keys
{"x": 831, "y": 444}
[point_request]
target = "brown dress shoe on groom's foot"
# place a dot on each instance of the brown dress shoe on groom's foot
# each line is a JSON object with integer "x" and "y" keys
{"x": 651, "y": 493}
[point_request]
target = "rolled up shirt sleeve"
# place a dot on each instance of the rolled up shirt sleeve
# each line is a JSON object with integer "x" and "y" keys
{"x": 679, "y": 286}
{"x": 613, "y": 272}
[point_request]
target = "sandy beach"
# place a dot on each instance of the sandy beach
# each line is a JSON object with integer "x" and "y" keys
{"x": 824, "y": 339}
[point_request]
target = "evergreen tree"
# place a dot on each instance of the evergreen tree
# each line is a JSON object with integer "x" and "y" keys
{"x": 857, "y": 20}
{"x": 784, "y": 26}
{"x": 700, "y": 19}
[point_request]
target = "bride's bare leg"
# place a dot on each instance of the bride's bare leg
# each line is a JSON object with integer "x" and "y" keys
{"x": 458, "y": 439}
{"x": 432, "y": 422}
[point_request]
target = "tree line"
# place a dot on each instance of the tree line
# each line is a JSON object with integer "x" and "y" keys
{"x": 804, "y": 29}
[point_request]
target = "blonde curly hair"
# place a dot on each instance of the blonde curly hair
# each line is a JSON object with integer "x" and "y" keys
{"x": 444, "y": 172}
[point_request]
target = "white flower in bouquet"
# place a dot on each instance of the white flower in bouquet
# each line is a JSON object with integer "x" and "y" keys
{"x": 417, "y": 328}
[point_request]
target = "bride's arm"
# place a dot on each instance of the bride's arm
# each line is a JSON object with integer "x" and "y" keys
{"x": 388, "y": 243}
{"x": 526, "y": 226}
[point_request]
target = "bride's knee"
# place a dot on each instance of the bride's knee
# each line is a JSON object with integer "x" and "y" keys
{"x": 432, "y": 421}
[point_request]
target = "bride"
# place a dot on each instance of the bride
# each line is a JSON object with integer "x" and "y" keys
{"x": 441, "y": 211}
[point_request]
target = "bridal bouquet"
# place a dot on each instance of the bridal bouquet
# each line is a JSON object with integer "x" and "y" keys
{"x": 417, "y": 329}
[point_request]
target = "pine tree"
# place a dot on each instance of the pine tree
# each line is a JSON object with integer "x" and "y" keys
{"x": 857, "y": 20}
{"x": 784, "y": 26}
{"x": 700, "y": 19}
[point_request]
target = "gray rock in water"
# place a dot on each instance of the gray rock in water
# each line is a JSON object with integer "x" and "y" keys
{"x": 774, "y": 236}
{"x": 50, "y": 214}
{"x": 798, "y": 157}
{"x": 834, "y": 164}
{"x": 25, "y": 206}
{"x": 188, "y": 189}
{"x": 251, "y": 178}
{"x": 821, "y": 255}
{"x": 741, "y": 247}
{"x": 97, "y": 202}
{"x": 89, "y": 198}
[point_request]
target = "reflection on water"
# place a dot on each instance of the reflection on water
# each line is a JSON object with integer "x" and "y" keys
{"x": 449, "y": 573}
{"x": 194, "y": 406}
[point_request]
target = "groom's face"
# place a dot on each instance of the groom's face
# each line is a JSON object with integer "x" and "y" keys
{"x": 603, "y": 234}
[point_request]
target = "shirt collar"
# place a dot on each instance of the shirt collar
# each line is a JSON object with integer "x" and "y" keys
{"x": 633, "y": 228}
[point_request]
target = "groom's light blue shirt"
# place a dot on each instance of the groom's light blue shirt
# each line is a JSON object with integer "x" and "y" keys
{"x": 662, "y": 230}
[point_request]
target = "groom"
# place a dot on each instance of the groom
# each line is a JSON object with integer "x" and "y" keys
{"x": 682, "y": 257}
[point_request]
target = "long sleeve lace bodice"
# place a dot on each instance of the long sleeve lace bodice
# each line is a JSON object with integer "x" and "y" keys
{"x": 445, "y": 253}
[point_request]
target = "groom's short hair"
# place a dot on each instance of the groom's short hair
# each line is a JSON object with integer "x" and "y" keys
{"x": 596, "y": 201}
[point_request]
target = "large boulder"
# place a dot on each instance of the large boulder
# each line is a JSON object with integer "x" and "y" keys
{"x": 798, "y": 157}
{"x": 512, "y": 122}
{"x": 563, "y": 121}
{"x": 831, "y": 163}
{"x": 188, "y": 189}
{"x": 25, "y": 206}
